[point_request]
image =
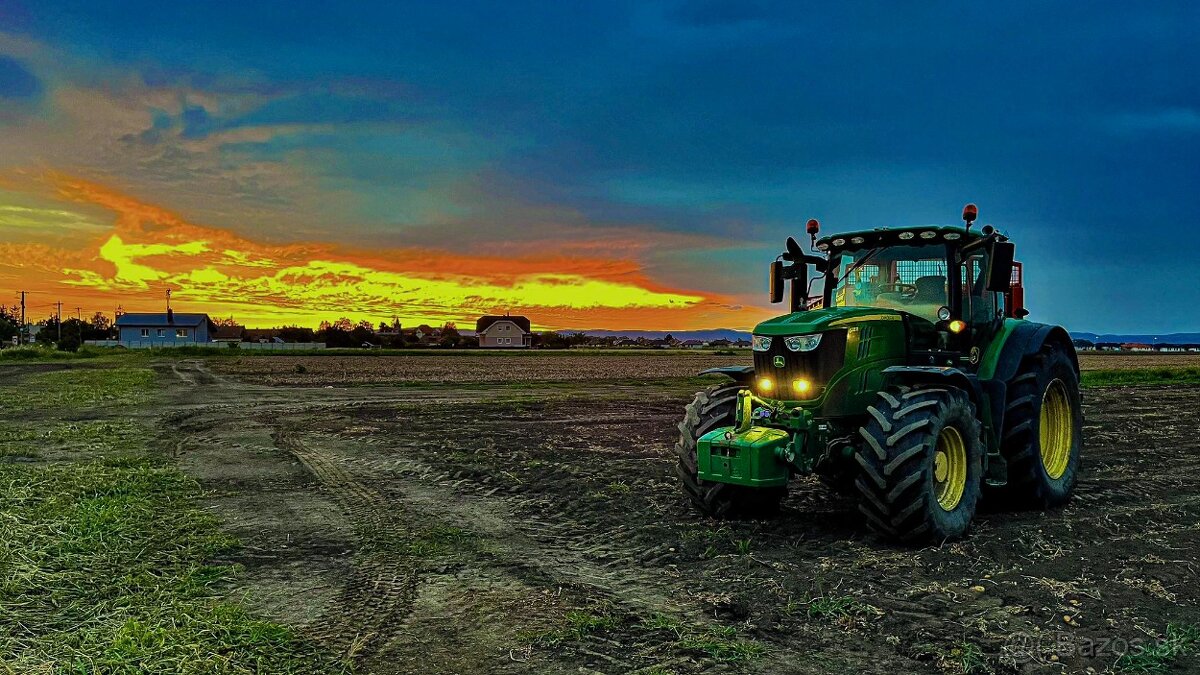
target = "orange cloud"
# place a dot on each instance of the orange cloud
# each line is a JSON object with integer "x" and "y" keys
{"x": 148, "y": 249}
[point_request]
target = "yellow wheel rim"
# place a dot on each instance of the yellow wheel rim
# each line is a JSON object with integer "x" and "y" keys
{"x": 949, "y": 468}
{"x": 1056, "y": 429}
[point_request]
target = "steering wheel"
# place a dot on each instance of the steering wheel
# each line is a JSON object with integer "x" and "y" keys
{"x": 905, "y": 291}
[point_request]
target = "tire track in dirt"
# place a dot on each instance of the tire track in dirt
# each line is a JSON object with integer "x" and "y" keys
{"x": 381, "y": 590}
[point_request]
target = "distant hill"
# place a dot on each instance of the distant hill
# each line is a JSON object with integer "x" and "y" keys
{"x": 706, "y": 335}
{"x": 1169, "y": 339}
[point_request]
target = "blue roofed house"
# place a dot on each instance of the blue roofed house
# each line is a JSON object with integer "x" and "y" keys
{"x": 164, "y": 330}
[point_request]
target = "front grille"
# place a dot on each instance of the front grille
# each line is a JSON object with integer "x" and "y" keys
{"x": 817, "y": 366}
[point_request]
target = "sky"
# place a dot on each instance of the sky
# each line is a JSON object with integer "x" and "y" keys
{"x": 621, "y": 165}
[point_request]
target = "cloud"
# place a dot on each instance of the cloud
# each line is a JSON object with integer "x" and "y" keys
{"x": 16, "y": 82}
{"x": 148, "y": 249}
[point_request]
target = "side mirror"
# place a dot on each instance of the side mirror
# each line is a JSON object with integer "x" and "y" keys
{"x": 777, "y": 281}
{"x": 1000, "y": 266}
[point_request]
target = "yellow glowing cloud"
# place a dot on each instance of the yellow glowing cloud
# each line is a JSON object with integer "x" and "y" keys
{"x": 149, "y": 249}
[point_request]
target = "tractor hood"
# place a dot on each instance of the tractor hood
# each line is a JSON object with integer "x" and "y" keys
{"x": 817, "y": 320}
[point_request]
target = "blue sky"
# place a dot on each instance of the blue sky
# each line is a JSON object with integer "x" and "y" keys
{"x": 687, "y": 137}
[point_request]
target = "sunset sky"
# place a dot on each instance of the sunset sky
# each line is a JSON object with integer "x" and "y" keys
{"x": 614, "y": 165}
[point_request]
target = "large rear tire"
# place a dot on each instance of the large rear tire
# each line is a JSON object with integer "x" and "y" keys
{"x": 921, "y": 464}
{"x": 1043, "y": 430}
{"x": 712, "y": 408}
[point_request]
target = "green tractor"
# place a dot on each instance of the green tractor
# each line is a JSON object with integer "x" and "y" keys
{"x": 910, "y": 381}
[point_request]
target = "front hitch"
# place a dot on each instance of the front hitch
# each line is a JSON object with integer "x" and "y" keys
{"x": 767, "y": 442}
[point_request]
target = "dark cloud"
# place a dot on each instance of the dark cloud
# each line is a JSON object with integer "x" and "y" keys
{"x": 1078, "y": 131}
{"x": 16, "y": 82}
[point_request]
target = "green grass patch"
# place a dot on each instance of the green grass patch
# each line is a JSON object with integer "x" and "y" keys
{"x": 40, "y": 353}
{"x": 1143, "y": 377}
{"x": 88, "y": 439}
{"x": 720, "y": 643}
{"x": 1180, "y": 640}
{"x": 81, "y": 388}
{"x": 105, "y": 567}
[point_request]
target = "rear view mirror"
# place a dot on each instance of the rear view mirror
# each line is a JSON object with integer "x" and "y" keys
{"x": 1000, "y": 265}
{"x": 777, "y": 281}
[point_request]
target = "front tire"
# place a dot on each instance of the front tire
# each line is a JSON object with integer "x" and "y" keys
{"x": 1043, "y": 430}
{"x": 921, "y": 464}
{"x": 712, "y": 408}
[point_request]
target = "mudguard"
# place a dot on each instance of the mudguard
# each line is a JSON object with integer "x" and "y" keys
{"x": 934, "y": 375}
{"x": 1027, "y": 338}
{"x": 740, "y": 374}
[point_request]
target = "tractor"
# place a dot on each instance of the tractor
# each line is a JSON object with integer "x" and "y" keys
{"x": 905, "y": 376}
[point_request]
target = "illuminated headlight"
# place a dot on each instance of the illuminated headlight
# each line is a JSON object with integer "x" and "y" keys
{"x": 929, "y": 234}
{"x": 839, "y": 242}
{"x": 760, "y": 343}
{"x": 907, "y": 235}
{"x": 803, "y": 343}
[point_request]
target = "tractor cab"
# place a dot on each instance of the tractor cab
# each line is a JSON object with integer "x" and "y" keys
{"x": 951, "y": 286}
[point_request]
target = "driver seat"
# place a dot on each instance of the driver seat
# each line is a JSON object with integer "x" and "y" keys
{"x": 931, "y": 290}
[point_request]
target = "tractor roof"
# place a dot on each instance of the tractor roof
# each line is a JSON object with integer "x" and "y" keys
{"x": 908, "y": 236}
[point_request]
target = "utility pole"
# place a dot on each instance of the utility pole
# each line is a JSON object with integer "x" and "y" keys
{"x": 79, "y": 314}
{"x": 58, "y": 319}
{"x": 21, "y": 328}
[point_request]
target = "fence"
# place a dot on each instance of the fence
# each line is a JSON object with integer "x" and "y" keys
{"x": 169, "y": 344}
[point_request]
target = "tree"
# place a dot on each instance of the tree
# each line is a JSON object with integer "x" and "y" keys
{"x": 49, "y": 332}
{"x": 101, "y": 326}
{"x": 450, "y": 336}
{"x": 298, "y": 334}
{"x": 226, "y": 323}
{"x": 10, "y": 320}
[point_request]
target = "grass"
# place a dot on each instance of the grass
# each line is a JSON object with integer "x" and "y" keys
{"x": 1180, "y": 640}
{"x": 80, "y": 388}
{"x": 41, "y": 353}
{"x": 96, "y": 438}
{"x": 105, "y": 567}
{"x": 720, "y": 643}
{"x": 423, "y": 543}
{"x": 1144, "y": 377}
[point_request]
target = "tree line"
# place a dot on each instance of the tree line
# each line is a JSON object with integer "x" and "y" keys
{"x": 68, "y": 336}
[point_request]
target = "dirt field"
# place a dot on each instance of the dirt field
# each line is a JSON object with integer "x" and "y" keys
{"x": 458, "y": 529}
{"x": 432, "y": 367}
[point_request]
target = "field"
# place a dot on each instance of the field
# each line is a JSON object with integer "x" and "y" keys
{"x": 519, "y": 513}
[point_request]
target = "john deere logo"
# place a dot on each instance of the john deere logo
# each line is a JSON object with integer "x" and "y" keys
{"x": 779, "y": 362}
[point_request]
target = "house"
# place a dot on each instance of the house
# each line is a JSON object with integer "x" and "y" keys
{"x": 1137, "y": 347}
{"x": 503, "y": 331}
{"x": 427, "y": 335}
{"x": 165, "y": 330}
{"x": 693, "y": 344}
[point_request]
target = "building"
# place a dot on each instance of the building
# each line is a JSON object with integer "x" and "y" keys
{"x": 504, "y": 331}
{"x": 165, "y": 330}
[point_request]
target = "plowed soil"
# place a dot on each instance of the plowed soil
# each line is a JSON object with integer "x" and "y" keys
{"x": 471, "y": 529}
{"x": 441, "y": 527}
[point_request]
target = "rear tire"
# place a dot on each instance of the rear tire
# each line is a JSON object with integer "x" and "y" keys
{"x": 921, "y": 464}
{"x": 1040, "y": 444}
{"x": 712, "y": 408}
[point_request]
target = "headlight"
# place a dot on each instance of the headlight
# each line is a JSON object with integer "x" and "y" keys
{"x": 803, "y": 343}
{"x": 760, "y": 343}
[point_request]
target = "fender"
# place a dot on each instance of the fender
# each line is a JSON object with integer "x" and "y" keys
{"x": 1025, "y": 338}
{"x": 740, "y": 374}
{"x": 935, "y": 375}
